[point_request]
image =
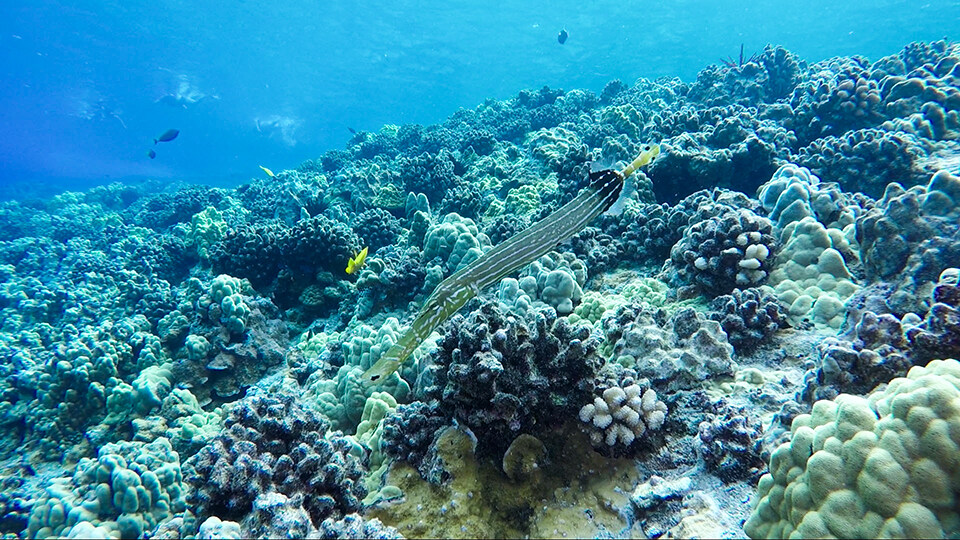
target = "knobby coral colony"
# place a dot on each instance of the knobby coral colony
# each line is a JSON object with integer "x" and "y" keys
{"x": 520, "y": 250}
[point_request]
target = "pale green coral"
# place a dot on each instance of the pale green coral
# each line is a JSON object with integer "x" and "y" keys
{"x": 223, "y": 286}
{"x": 313, "y": 344}
{"x": 367, "y": 343}
{"x": 147, "y": 392}
{"x": 369, "y": 432}
{"x": 206, "y": 229}
{"x": 817, "y": 236}
{"x": 342, "y": 399}
{"x": 416, "y": 203}
{"x": 522, "y": 201}
{"x": 494, "y": 209}
{"x": 127, "y": 490}
{"x": 512, "y": 298}
{"x": 557, "y": 288}
{"x": 173, "y": 327}
{"x": 389, "y": 197}
{"x": 214, "y": 528}
{"x": 456, "y": 241}
{"x": 623, "y": 118}
{"x": 182, "y": 421}
{"x": 197, "y": 347}
{"x": 943, "y": 194}
{"x": 594, "y": 305}
{"x": 555, "y": 146}
{"x": 794, "y": 193}
{"x": 884, "y": 466}
{"x": 390, "y": 130}
{"x": 229, "y": 291}
{"x": 646, "y": 290}
{"x": 556, "y": 279}
{"x": 810, "y": 274}
{"x": 649, "y": 347}
{"x": 553, "y": 280}
{"x": 234, "y": 313}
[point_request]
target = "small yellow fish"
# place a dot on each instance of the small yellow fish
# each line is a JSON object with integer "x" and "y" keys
{"x": 357, "y": 261}
{"x": 268, "y": 171}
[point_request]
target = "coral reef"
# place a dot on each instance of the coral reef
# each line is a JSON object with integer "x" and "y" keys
{"x": 502, "y": 375}
{"x": 725, "y": 252}
{"x": 676, "y": 353}
{"x": 182, "y": 362}
{"x": 910, "y": 237}
{"x": 730, "y": 445}
{"x": 867, "y": 467}
{"x": 748, "y": 317}
{"x": 127, "y": 491}
{"x": 272, "y": 446}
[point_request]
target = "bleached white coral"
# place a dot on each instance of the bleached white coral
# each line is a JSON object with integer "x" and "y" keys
{"x": 622, "y": 415}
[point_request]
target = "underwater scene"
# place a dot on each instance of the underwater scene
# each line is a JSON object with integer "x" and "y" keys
{"x": 480, "y": 271}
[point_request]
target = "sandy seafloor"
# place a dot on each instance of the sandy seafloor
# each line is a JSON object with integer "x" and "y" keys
{"x": 759, "y": 343}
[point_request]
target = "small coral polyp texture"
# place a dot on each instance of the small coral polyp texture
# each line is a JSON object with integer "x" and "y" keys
{"x": 884, "y": 466}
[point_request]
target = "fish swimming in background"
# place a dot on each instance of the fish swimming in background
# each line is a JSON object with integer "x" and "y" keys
{"x": 562, "y": 36}
{"x": 516, "y": 252}
{"x": 167, "y": 136}
{"x": 357, "y": 261}
{"x": 352, "y": 130}
{"x": 151, "y": 154}
{"x": 268, "y": 171}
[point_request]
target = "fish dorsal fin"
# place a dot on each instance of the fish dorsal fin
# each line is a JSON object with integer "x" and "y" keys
{"x": 602, "y": 164}
{"x": 608, "y": 183}
{"x": 627, "y": 193}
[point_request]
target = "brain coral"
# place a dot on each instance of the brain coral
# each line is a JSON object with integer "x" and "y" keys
{"x": 885, "y": 466}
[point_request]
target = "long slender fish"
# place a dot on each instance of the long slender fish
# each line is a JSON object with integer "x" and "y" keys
{"x": 520, "y": 250}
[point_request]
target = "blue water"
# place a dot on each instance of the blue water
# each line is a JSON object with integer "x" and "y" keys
{"x": 87, "y": 86}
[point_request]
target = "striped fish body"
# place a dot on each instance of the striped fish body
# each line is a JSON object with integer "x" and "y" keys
{"x": 517, "y": 252}
{"x": 520, "y": 250}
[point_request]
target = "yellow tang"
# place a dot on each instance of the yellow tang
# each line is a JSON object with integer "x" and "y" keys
{"x": 357, "y": 261}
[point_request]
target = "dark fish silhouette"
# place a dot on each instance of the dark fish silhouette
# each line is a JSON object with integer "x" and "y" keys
{"x": 151, "y": 154}
{"x": 352, "y": 130}
{"x": 167, "y": 136}
{"x": 562, "y": 36}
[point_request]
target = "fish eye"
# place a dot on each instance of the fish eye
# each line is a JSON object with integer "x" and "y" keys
{"x": 373, "y": 378}
{"x": 646, "y": 148}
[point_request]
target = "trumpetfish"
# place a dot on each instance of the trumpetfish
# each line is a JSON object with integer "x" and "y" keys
{"x": 519, "y": 250}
